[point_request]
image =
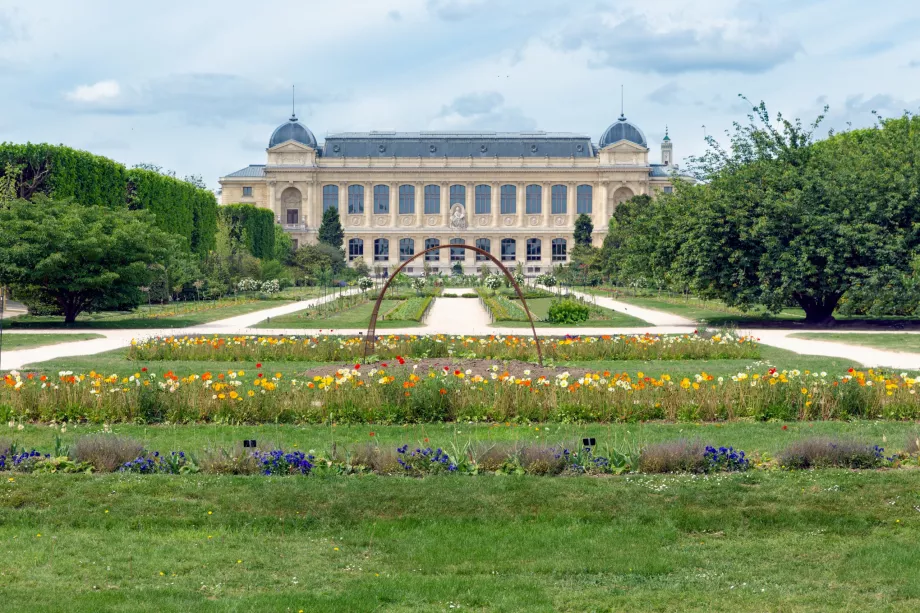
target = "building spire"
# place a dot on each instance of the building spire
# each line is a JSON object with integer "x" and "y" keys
{"x": 666, "y": 137}
{"x": 622, "y": 114}
{"x": 293, "y": 114}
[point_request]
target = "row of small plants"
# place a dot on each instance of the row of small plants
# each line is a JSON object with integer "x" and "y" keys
{"x": 501, "y": 307}
{"x": 110, "y": 453}
{"x": 411, "y": 309}
{"x": 332, "y": 348}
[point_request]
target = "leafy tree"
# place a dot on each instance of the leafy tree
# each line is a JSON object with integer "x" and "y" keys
{"x": 319, "y": 261}
{"x": 330, "y": 230}
{"x": 78, "y": 258}
{"x": 284, "y": 245}
{"x": 583, "y": 229}
{"x": 361, "y": 269}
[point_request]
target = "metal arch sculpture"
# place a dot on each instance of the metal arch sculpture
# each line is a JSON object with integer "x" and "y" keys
{"x": 371, "y": 337}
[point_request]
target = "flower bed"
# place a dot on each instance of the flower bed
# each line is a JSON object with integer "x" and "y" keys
{"x": 339, "y": 348}
{"x": 398, "y": 394}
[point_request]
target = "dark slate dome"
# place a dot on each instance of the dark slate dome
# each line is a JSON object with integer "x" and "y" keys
{"x": 292, "y": 130}
{"x": 622, "y": 130}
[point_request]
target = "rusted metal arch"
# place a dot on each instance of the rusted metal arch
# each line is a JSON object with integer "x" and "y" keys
{"x": 371, "y": 337}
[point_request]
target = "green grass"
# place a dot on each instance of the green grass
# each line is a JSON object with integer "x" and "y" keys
{"x": 909, "y": 343}
{"x": 22, "y": 341}
{"x": 539, "y": 307}
{"x": 830, "y": 540}
{"x": 356, "y": 317}
{"x": 172, "y": 315}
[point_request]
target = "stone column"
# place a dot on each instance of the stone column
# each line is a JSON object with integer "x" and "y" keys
{"x": 445, "y": 204}
{"x": 394, "y": 204}
{"x": 272, "y": 201}
{"x": 368, "y": 205}
{"x": 571, "y": 204}
{"x": 495, "y": 203}
{"x": 545, "y": 203}
{"x": 419, "y": 205}
{"x": 521, "y": 194}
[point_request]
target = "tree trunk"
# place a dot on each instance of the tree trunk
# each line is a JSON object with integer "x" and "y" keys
{"x": 819, "y": 311}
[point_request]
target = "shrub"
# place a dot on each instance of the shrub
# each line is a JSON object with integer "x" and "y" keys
{"x": 6, "y": 446}
{"x": 425, "y": 461}
{"x": 106, "y": 453}
{"x": 493, "y": 282}
{"x": 912, "y": 446}
{"x": 568, "y": 312}
{"x": 365, "y": 283}
{"x": 177, "y": 462}
{"x": 224, "y": 462}
{"x": 277, "y": 462}
{"x": 829, "y": 452}
{"x": 673, "y": 457}
{"x": 726, "y": 459}
{"x": 24, "y": 461}
{"x": 542, "y": 460}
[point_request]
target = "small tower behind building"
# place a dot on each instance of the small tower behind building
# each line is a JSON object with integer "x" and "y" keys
{"x": 667, "y": 149}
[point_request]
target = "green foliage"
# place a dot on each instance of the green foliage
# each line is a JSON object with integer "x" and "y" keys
{"x": 583, "y": 229}
{"x": 284, "y": 245}
{"x": 78, "y": 258}
{"x": 330, "y": 229}
{"x": 318, "y": 263}
{"x": 251, "y": 226}
{"x": 568, "y": 312}
{"x": 412, "y": 309}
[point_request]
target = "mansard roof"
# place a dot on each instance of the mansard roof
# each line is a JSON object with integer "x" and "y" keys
{"x": 457, "y": 144}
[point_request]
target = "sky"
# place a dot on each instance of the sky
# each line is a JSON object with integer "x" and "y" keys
{"x": 198, "y": 86}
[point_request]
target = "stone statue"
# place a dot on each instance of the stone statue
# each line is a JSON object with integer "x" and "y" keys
{"x": 457, "y": 217}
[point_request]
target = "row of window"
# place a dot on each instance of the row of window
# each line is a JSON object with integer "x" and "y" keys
{"x": 508, "y": 249}
{"x": 482, "y": 199}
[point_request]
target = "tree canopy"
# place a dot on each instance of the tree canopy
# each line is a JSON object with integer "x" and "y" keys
{"x": 330, "y": 230}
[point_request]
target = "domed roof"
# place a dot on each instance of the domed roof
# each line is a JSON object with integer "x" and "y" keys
{"x": 622, "y": 130}
{"x": 292, "y": 130}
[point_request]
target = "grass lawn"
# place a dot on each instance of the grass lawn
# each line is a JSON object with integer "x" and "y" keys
{"x": 23, "y": 341}
{"x": 357, "y": 317}
{"x": 540, "y": 309}
{"x": 828, "y": 540}
{"x": 175, "y": 315}
{"x": 890, "y": 341}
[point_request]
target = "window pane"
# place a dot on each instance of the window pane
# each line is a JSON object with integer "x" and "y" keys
{"x": 583, "y": 195}
{"x": 434, "y": 256}
{"x": 484, "y": 244}
{"x": 508, "y": 200}
{"x": 330, "y": 197}
{"x": 406, "y": 248}
{"x": 381, "y": 199}
{"x": 381, "y": 250}
{"x": 533, "y": 199}
{"x": 407, "y": 200}
{"x": 458, "y": 194}
{"x": 247, "y": 192}
{"x": 483, "y": 199}
{"x": 559, "y": 195}
{"x": 509, "y": 249}
{"x": 292, "y": 215}
{"x": 355, "y": 248}
{"x": 533, "y": 249}
{"x": 432, "y": 200}
{"x": 356, "y": 199}
{"x": 457, "y": 254}
{"x": 559, "y": 249}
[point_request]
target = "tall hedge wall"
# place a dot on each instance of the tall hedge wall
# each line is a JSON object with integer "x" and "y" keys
{"x": 62, "y": 172}
{"x": 255, "y": 224}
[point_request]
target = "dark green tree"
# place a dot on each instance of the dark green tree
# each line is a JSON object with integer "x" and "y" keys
{"x": 330, "y": 230}
{"x": 583, "y": 229}
{"x": 79, "y": 258}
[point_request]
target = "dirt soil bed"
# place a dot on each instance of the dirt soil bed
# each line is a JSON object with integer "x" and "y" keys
{"x": 482, "y": 367}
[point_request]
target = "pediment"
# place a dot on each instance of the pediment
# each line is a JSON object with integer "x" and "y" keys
{"x": 291, "y": 146}
{"x": 624, "y": 145}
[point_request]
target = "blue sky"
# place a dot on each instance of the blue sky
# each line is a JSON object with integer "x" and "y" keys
{"x": 198, "y": 86}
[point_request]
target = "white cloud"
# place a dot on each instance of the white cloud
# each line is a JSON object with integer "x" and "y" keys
{"x": 97, "y": 92}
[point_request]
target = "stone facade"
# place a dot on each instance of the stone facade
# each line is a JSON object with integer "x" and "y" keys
{"x": 517, "y": 194}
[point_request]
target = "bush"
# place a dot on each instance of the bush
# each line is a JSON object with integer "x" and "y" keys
{"x": 239, "y": 461}
{"x": 568, "y": 312}
{"x": 674, "y": 457}
{"x": 832, "y": 453}
{"x": 106, "y": 453}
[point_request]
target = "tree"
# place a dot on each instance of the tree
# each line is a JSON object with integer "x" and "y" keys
{"x": 583, "y": 230}
{"x": 318, "y": 261}
{"x": 78, "y": 258}
{"x": 284, "y": 245}
{"x": 330, "y": 230}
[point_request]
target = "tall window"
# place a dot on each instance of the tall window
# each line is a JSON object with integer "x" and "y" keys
{"x": 456, "y": 253}
{"x": 247, "y": 191}
{"x": 533, "y": 200}
{"x": 483, "y": 200}
{"x": 559, "y": 250}
{"x": 434, "y": 256}
{"x": 558, "y": 196}
{"x": 356, "y": 199}
{"x": 293, "y": 216}
{"x": 406, "y": 249}
{"x": 583, "y": 197}
{"x": 381, "y": 250}
{"x": 458, "y": 194}
{"x": 381, "y": 199}
{"x": 533, "y": 249}
{"x": 407, "y": 200}
{"x": 432, "y": 200}
{"x": 484, "y": 244}
{"x": 508, "y": 200}
{"x": 355, "y": 249}
{"x": 668, "y": 189}
{"x": 509, "y": 250}
{"x": 330, "y": 197}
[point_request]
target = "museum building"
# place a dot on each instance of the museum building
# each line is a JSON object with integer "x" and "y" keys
{"x": 513, "y": 194}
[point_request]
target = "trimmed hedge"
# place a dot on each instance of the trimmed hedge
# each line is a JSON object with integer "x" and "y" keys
{"x": 65, "y": 173}
{"x": 255, "y": 224}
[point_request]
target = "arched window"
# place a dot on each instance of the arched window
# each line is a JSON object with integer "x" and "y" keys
{"x": 433, "y": 256}
{"x": 355, "y": 249}
{"x": 291, "y": 201}
{"x": 330, "y": 197}
{"x": 559, "y": 250}
{"x": 381, "y": 250}
{"x": 356, "y": 199}
{"x": 458, "y": 194}
{"x": 584, "y": 195}
{"x": 483, "y": 200}
{"x": 406, "y": 249}
{"x": 533, "y": 200}
{"x": 432, "y": 200}
{"x": 407, "y": 200}
{"x": 508, "y": 200}
{"x": 484, "y": 244}
{"x": 457, "y": 254}
{"x": 509, "y": 250}
{"x": 534, "y": 250}
{"x": 381, "y": 199}
{"x": 558, "y": 195}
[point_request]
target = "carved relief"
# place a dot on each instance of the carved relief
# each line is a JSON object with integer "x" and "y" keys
{"x": 534, "y": 221}
{"x": 407, "y": 221}
{"x": 560, "y": 221}
{"x": 432, "y": 221}
{"x": 508, "y": 221}
{"x": 383, "y": 220}
{"x": 355, "y": 221}
{"x": 483, "y": 221}
{"x": 457, "y": 217}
